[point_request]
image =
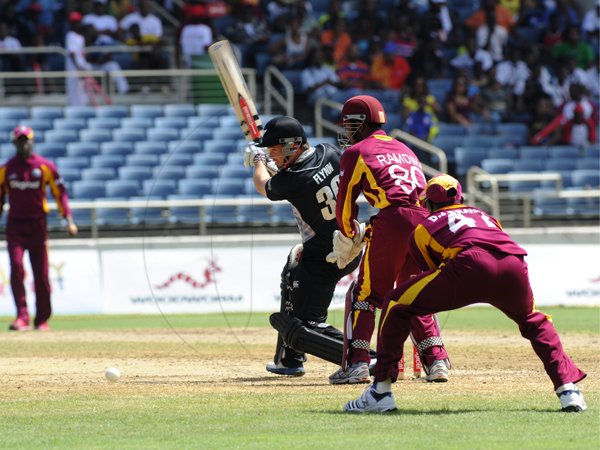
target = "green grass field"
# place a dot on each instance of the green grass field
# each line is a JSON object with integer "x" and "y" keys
{"x": 199, "y": 382}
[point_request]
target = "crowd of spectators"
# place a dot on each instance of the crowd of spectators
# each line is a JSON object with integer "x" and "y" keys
{"x": 530, "y": 61}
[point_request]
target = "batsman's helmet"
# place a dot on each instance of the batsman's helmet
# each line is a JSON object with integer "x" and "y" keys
{"x": 283, "y": 130}
{"x": 443, "y": 189}
{"x": 356, "y": 111}
{"x": 22, "y": 130}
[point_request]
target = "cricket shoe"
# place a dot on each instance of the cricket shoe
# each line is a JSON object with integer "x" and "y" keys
{"x": 357, "y": 373}
{"x": 571, "y": 398}
{"x": 372, "y": 401}
{"x": 438, "y": 372}
{"x": 19, "y": 325}
{"x": 280, "y": 369}
{"x": 43, "y": 327}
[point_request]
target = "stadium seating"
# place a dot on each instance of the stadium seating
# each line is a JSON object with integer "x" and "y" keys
{"x": 99, "y": 173}
{"x": 108, "y": 160}
{"x": 137, "y": 123}
{"x": 184, "y": 214}
{"x": 95, "y": 135}
{"x": 51, "y": 150}
{"x": 150, "y": 148}
{"x": 129, "y": 134}
{"x": 83, "y": 149}
{"x": 184, "y": 110}
{"x": 173, "y": 173}
{"x": 467, "y": 157}
{"x": 586, "y": 178}
{"x": 141, "y": 160}
{"x": 161, "y": 134}
{"x": 63, "y": 136}
{"x": 146, "y": 215}
{"x": 125, "y": 187}
{"x": 185, "y": 146}
{"x": 146, "y": 111}
{"x": 47, "y": 112}
{"x": 104, "y": 123}
{"x": 116, "y": 111}
{"x": 88, "y": 189}
{"x": 202, "y": 172}
{"x": 137, "y": 173}
{"x": 176, "y": 122}
{"x": 116, "y": 148}
{"x": 176, "y": 159}
{"x": 196, "y": 187}
{"x": 79, "y": 112}
{"x": 113, "y": 215}
{"x": 71, "y": 123}
{"x": 159, "y": 188}
{"x": 228, "y": 186}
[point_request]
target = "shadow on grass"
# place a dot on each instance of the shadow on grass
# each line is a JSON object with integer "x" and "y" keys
{"x": 444, "y": 412}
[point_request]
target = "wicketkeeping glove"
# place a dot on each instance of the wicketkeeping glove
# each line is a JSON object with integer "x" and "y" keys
{"x": 345, "y": 249}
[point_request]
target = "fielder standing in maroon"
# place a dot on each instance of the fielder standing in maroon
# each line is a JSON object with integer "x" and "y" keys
{"x": 389, "y": 175}
{"x": 466, "y": 258}
{"x": 25, "y": 178}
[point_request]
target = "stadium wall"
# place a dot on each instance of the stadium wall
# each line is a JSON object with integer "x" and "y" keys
{"x": 241, "y": 273}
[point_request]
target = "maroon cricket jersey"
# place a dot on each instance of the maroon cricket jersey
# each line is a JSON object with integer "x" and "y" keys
{"x": 449, "y": 230}
{"x": 25, "y": 182}
{"x": 384, "y": 169}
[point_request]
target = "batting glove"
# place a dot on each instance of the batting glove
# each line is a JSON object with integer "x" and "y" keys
{"x": 253, "y": 153}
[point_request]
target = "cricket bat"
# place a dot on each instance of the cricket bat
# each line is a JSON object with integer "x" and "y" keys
{"x": 235, "y": 87}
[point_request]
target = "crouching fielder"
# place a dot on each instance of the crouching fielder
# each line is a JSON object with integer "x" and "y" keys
{"x": 466, "y": 258}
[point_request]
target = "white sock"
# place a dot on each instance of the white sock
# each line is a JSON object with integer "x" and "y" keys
{"x": 381, "y": 387}
{"x": 565, "y": 387}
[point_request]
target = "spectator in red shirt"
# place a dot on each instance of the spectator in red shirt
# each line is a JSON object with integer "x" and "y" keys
{"x": 24, "y": 178}
{"x": 389, "y": 70}
{"x": 579, "y": 130}
{"x": 353, "y": 72}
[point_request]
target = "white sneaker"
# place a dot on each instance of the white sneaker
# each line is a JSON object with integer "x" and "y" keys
{"x": 372, "y": 401}
{"x": 571, "y": 398}
{"x": 438, "y": 372}
{"x": 357, "y": 373}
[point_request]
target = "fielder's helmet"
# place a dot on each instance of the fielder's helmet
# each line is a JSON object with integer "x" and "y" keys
{"x": 22, "y": 130}
{"x": 356, "y": 111}
{"x": 283, "y": 130}
{"x": 443, "y": 189}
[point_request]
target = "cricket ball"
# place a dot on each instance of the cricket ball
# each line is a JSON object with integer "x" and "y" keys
{"x": 112, "y": 374}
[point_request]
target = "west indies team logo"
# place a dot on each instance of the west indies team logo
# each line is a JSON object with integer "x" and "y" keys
{"x": 208, "y": 277}
{"x": 36, "y": 173}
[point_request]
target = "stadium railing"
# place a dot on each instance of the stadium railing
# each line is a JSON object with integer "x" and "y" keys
{"x": 278, "y": 92}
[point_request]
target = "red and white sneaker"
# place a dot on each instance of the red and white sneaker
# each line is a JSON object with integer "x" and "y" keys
{"x": 43, "y": 327}
{"x": 19, "y": 325}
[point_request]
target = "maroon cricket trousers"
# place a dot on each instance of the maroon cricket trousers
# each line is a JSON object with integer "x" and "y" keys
{"x": 29, "y": 235}
{"x": 473, "y": 276}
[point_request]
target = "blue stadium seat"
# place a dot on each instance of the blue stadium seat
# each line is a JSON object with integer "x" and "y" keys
{"x": 125, "y": 187}
{"x": 189, "y": 146}
{"x": 235, "y": 159}
{"x": 467, "y": 157}
{"x": 583, "y": 206}
{"x": 533, "y": 152}
{"x": 99, "y": 173}
{"x": 183, "y": 214}
{"x": 522, "y": 185}
{"x": 220, "y": 146}
{"x": 497, "y": 165}
{"x": 47, "y": 112}
{"x": 7, "y": 150}
{"x": 63, "y": 136}
{"x": 135, "y": 173}
{"x": 204, "y": 122}
{"x": 162, "y": 172}
{"x": 71, "y": 123}
{"x": 448, "y": 144}
{"x": 588, "y": 163}
{"x": 83, "y": 149}
{"x": 513, "y": 129}
{"x": 146, "y": 214}
{"x": 162, "y": 134}
{"x": 137, "y": 123}
{"x": 235, "y": 171}
{"x": 198, "y": 134}
{"x": 566, "y": 179}
{"x": 593, "y": 151}
{"x": 13, "y": 114}
{"x": 69, "y": 174}
{"x": 210, "y": 110}
{"x": 230, "y": 121}
{"x": 202, "y": 172}
{"x": 564, "y": 151}
{"x": 110, "y": 161}
{"x": 129, "y": 134}
{"x": 195, "y": 187}
{"x": 117, "y": 111}
{"x": 147, "y": 111}
{"x": 99, "y": 135}
{"x": 38, "y": 125}
{"x": 150, "y": 148}
{"x": 81, "y": 216}
{"x": 282, "y": 214}
{"x": 586, "y": 178}
{"x": 141, "y": 160}
{"x": 222, "y": 214}
{"x": 171, "y": 122}
{"x": 228, "y": 134}
{"x": 209, "y": 159}
{"x": 49, "y": 150}
{"x": 255, "y": 214}
{"x": 561, "y": 164}
{"x": 79, "y": 112}
{"x": 176, "y": 159}
{"x": 112, "y": 215}
{"x": 103, "y": 123}
{"x": 544, "y": 205}
{"x": 503, "y": 152}
{"x": 77, "y": 162}
{"x": 484, "y": 141}
{"x": 228, "y": 186}
{"x": 88, "y": 189}
{"x": 160, "y": 188}
{"x": 184, "y": 110}
{"x": 528, "y": 165}
{"x": 451, "y": 129}
{"x": 116, "y": 148}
